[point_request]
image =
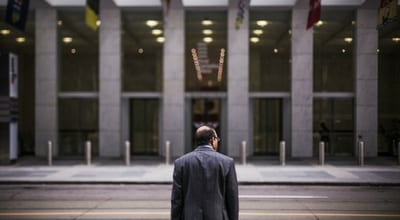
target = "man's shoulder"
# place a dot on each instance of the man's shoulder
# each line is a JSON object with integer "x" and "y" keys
{"x": 190, "y": 155}
{"x": 224, "y": 157}
{"x": 184, "y": 157}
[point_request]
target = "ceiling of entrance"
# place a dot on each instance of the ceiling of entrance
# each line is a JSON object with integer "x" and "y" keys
{"x": 335, "y": 29}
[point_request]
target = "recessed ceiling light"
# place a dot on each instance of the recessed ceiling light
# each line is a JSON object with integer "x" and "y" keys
{"x": 258, "y": 31}
{"x": 140, "y": 50}
{"x": 59, "y": 22}
{"x": 348, "y": 39}
{"x": 207, "y": 31}
{"x": 208, "y": 39}
{"x": 262, "y": 23}
{"x": 319, "y": 23}
{"x": 20, "y": 39}
{"x": 206, "y": 22}
{"x": 156, "y": 32}
{"x": 151, "y": 23}
{"x": 160, "y": 39}
{"x": 254, "y": 39}
{"x": 396, "y": 39}
{"x": 276, "y": 50}
{"x": 67, "y": 40}
{"x": 5, "y": 31}
{"x": 98, "y": 23}
{"x": 343, "y": 50}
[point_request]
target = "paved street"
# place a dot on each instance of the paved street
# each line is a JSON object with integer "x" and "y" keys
{"x": 153, "y": 202}
{"x": 379, "y": 171}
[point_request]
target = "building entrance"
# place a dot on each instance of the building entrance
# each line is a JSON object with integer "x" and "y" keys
{"x": 267, "y": 119}
{"x": 206, "y": 111}
{"x": 334, "y": 124}
{"x": 144, "y": 129}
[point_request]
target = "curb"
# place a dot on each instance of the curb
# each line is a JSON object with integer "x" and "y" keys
{"x": 243, "y": 183}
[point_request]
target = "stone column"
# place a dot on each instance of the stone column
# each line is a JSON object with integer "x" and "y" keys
{"x": 302, "y": 82}
{"x": 46, "y": 70}
{"x": 110, "y": 80}
{"x": 173, "y": 106}
{"x": 238, "y": 81}
{"x": 366, "y": 80}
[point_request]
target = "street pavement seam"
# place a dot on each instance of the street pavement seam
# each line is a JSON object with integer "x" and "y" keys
{"x": 158, "y": 173}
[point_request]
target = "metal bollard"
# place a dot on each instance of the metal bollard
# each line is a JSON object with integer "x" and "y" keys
{"x": 127, "y": 153}
{"x": 50, "y": 153}
{"x": 361, "y": 153}
{"x": 167, "y": 152}
{"x": 88, "y": 153}
{"x": 244, "y": 153}
{"x": 282, "y": 153}
{"x": 321, "y": 153}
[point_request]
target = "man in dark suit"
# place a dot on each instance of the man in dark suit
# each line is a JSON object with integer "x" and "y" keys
{"x": 204, "y": 182}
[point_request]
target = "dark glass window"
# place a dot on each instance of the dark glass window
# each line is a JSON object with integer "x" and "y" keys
{"x": 333, "y": 51}
{"x": 25, "y": 51}
{"x": 267, "y": 126}
{"x": 142, "y": 47}
{"x": 270, "y": 42}
{"x": 144, "y": 126}
{"x": 205, "y": 50}
{"x": 78, "y": 123}
{"x": 79, "y": 54}
{"x": 389, "y": 88}
{"x": 334, "y": 124}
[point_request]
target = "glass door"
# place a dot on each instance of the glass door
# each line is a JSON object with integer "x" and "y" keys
{"x": 205, "y": 111}
{"x": 334, "y": 124}
{"x": 144, "y": 115}
{"x": 78, "y": 123}
{"x": 267, "y": 125}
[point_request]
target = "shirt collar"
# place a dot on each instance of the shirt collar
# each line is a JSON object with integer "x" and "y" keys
{"x": 207, "y": 146}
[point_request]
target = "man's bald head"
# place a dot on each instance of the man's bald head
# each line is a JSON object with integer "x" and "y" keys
{"x": 204, "y": 134}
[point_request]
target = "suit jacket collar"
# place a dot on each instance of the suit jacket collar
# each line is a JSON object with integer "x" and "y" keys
{"x": 204, "y": 148}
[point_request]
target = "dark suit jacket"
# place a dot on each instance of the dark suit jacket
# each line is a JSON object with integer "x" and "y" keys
{"x": 204, "y": 187}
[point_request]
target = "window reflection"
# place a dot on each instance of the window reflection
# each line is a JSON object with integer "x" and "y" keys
{"x": 205, "y": 51}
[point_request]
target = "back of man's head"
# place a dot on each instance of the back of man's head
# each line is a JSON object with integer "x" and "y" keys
{"x": 204, "y": 135}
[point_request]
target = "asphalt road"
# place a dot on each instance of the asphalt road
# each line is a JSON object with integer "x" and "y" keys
{"x": 153, "y": 202}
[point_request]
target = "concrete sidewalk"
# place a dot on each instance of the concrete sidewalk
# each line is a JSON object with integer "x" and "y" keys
{"x": 377, "y": 171}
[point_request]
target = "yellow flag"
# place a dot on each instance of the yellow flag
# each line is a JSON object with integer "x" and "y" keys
{"x": 92, "y": 13}
{"x": 387, "y": 12}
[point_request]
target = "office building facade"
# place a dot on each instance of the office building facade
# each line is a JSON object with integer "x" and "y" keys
{"x": 150, "y": 76}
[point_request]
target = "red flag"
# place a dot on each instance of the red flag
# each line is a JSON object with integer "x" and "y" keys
{"x": 315, "y": 13}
